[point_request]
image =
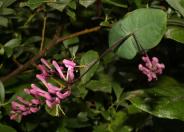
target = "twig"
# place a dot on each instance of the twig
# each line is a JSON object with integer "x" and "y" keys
{"x": 56, "y": 40}
{"x": 115, "y": 45}
{"x": 43, "y": 33}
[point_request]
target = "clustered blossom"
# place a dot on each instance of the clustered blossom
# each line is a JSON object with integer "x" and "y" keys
{"x": 151, "y": 67}
{"x": 52, "y": 96}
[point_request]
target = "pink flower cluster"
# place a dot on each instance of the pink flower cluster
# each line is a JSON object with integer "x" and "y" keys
{"x": 52, "y": 96}
{"x": 151, "y": 67}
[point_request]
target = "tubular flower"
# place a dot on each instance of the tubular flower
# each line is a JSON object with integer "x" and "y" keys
{"x": 70, "y": 72}
{"x": 23, "y": 108}
{"x": 151, "y": 67}
{"x": 51, "y": 96}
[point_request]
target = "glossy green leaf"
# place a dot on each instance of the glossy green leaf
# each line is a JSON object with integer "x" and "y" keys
{"x": 7, "y": 3}
{"x": 86, "y": 3}
{"x": 87, "y": 59}
{"x": 118, "y": 90}
{"x": 60, "y": 6}
{"x": 33, "y": 4}
{"x": 2, "y": 92}
{"x": 99, "y": 85}
{"x": 5, "y": 128}
{"x": 165, "y": 101}
{"x": 71, "y": 41}
{"x": 148, "y": 31}
{"x": 10, "y": 45}
{"x": 3, "y": 21}
{"x": 6, "y": 11}
{"x": 117, "y": 123}
{"x": 177, "y": 5}
{"x": 175, "y": 33}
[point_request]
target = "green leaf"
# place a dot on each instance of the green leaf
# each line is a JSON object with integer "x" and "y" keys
{"x": 60, "y": 6}
{"x": 101, "y": 85}
{"x": 175, "y": 33}
{"x": 177, "y": 5}
{"x": 2, "y": 92}
{"x": 79, "y": 91}
{"x": 101, "y": 128}
{"x": 166, "y": 100}
{"x": 71, "y": 14}
{"x": 148, "y": 31}
{"x": 86, "y": 3}
{"x": 117, "y": 124}
{"x": 33, "y": 4}
{"x": 87, "y": 59}
{"x": 118, "y": 90}
{"x": 73, "y": 50}
{"x": 1, "y": 49}
{"x": 71, "y": 41}
{"x": 32, "y": 39}
{"x": 7, "y": 3}
{"x": 10, "y": 45}
{"x": 5, "y": 128}
{"x": 4, "y": 21}
{"x": 6, "y": 11}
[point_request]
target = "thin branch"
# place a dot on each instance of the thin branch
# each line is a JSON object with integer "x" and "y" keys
{"x": 55, "y": 41}
{"x": 43, "y": 33}
{"x": 114, "y": 46}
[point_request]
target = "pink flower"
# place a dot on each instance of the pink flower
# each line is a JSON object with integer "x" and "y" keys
{"x": 59, "y": 70}
{"x": 151, "y": 67}
{"x": 44, "y": 71}
{"x": 42, "y": 79}
{"x": 45, "y": 63}
{"x": 53, "y": 89}
{"x": 52, "y": 96}
{"x": 16, "y": 106}
{"x": 64, "y": 95}
{"x": 70, "y": 72}
{"x": 22, "y": 108}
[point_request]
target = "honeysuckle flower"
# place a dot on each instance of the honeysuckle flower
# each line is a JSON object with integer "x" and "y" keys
{"x": 51, "y": 96}
{"x": 45, "y": 63}
{"x": 16, "y": 106}
{"x": 63, "y": 95}
{"x": 70, "y": 72}
{"x": 53, "y": 89}
{"x": 59, "y": 69}
{"x": 36, "y": 101}
{"x": 44, "y": 71}
{"x": 22, "y": 108}
{"x": 151, "y": 67}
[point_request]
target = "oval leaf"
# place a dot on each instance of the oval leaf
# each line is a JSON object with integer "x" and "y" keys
{"x": 99, "y": 85}
{"x": 175, "y": 33}
{"x": 86, "y": 3}
{"x": 87, "y": 59}
{"x": 165, "y": 101}
{"x": 148, "y": 26}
